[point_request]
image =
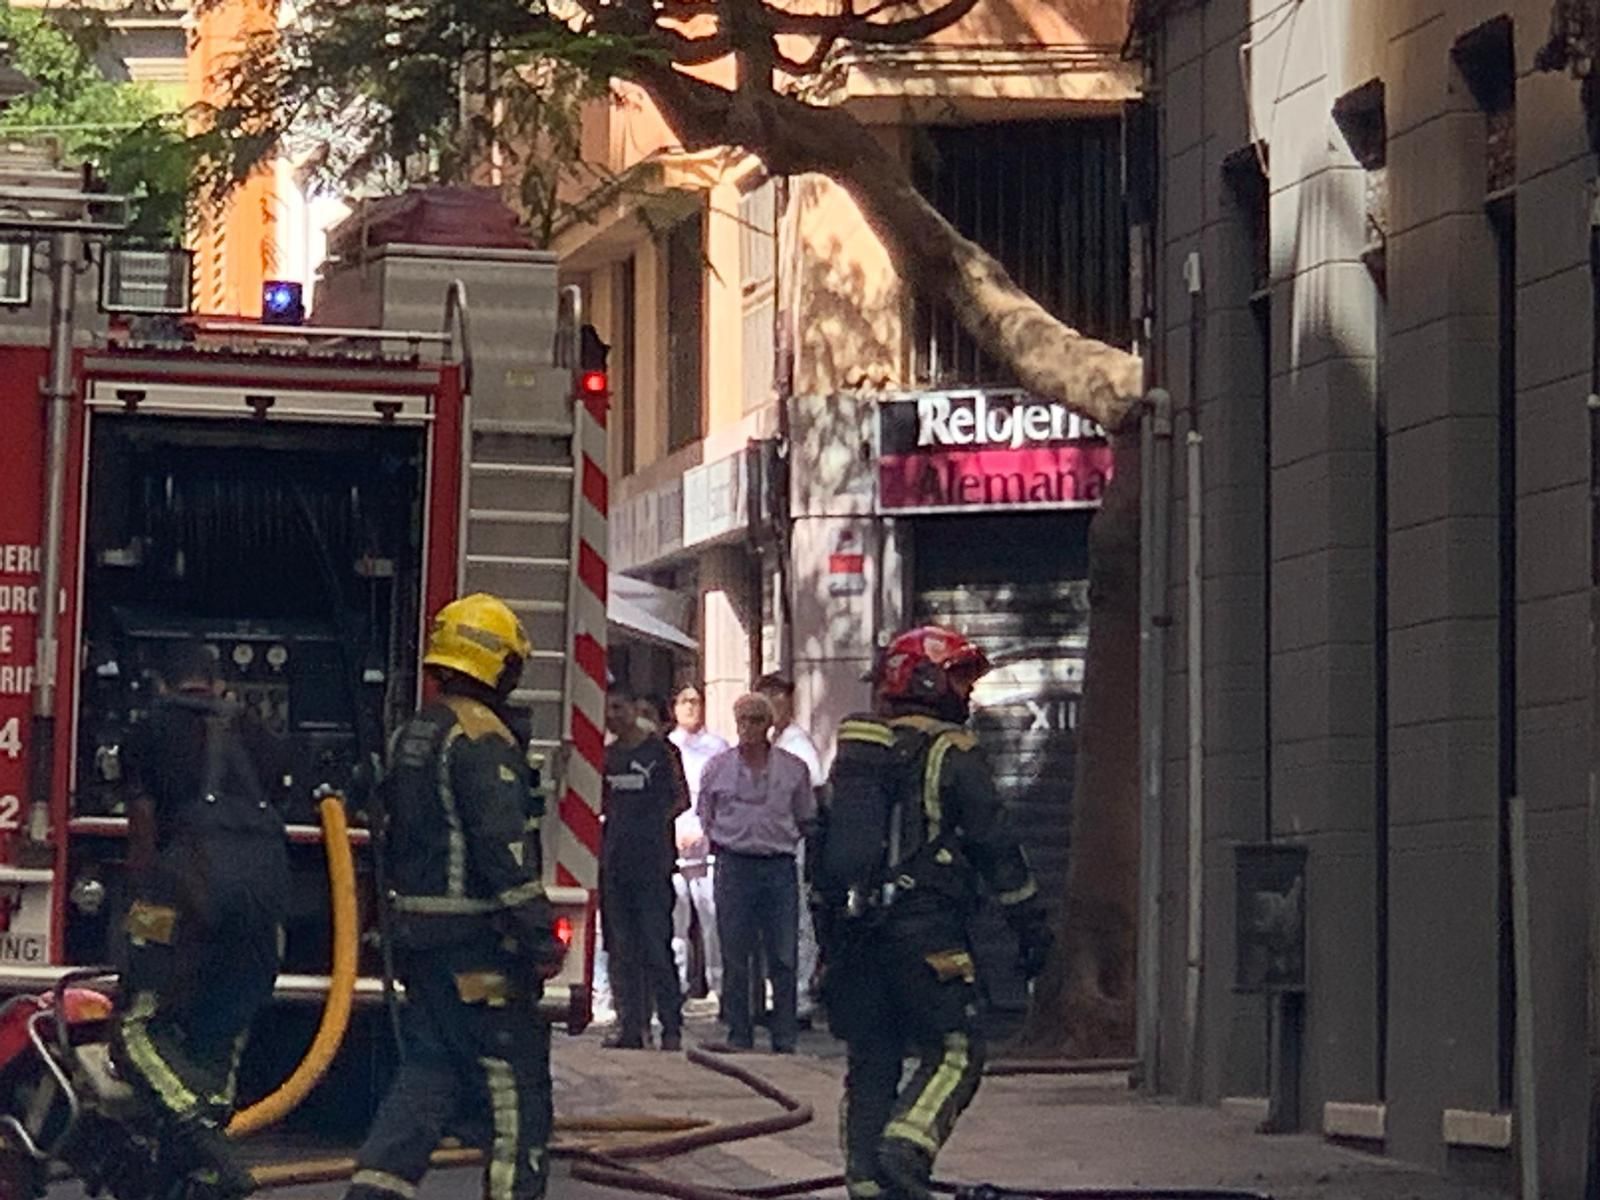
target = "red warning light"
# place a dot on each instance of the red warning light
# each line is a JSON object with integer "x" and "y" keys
{"x": 593, "y": 383}
{"x": 564, "y": 930}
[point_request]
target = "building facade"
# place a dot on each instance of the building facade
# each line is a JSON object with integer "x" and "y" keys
{"x": 812, "y": 452}
{"x": 275, "y": 225}
{"x": 1372, "y": 304}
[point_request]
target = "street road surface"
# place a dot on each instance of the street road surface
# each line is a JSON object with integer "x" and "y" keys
{"x": 456, "y": 1183}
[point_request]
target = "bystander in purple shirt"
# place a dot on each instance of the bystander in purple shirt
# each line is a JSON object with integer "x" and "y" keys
{"x": 758, "y": 813}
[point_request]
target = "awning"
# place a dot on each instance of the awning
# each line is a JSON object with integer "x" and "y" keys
{"x": 643, "y": 612}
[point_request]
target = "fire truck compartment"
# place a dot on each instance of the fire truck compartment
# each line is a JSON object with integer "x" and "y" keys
{"x": 293, "y": 552}
{"x": 296, "y": 552}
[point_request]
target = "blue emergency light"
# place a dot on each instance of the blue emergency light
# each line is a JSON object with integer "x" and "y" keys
{"x": 282, "y": 303}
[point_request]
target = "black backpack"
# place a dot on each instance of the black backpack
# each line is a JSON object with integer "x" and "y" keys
{"x": 871, "y": 819}
{"x": 231, "y": 798}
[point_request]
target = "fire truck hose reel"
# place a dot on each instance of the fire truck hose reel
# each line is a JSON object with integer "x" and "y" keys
{"x": 341, "y": 989}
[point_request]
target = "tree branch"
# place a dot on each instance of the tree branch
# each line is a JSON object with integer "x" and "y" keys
{"x": 861, "y": 27}
{"x": 1050, "y": 358}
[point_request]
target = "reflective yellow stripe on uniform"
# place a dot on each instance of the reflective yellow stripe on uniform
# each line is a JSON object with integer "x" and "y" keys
{"x": 865, "y": 731}
{"x": 174, "y": 1093}
{"x": 932, "y": 775}
{"x": 521, "y": 894}
{"x": 444, "y": 905}
{"x": 863, "y": 1189}
{"x": 503, "y": 1156}
{"x": 456, "y": 862}
{"x": 382, "y": 1181}
{"x": 230, "y": 1086}
{"x": 1017, "y": 895}
{"x": 919, "y": 1126}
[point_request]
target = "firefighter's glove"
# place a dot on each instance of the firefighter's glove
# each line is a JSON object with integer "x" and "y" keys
{"x": 1034, "y": 941}
{"x": 549, "y": 956}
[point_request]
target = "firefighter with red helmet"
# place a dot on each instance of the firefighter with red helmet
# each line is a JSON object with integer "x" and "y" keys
{"x": 912, "y": 834}
{"x": 473, "y": 934}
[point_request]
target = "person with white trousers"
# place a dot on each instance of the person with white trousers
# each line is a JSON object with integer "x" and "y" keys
{"x": 693, "y": 881}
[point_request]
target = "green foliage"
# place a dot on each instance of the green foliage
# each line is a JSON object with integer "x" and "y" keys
{"x": 135, "y": 142}
{"x": 376, "y": 95}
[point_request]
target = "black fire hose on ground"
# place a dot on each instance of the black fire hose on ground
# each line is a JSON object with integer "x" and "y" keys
{"x": 613, "y": 1166}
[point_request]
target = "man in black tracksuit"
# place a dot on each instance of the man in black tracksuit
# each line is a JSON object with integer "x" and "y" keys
{"x": 645, "y": 792}
{"x": 899, "y": 975}
{"x": 208, "y": 866}
{"x": 474, "y": 935}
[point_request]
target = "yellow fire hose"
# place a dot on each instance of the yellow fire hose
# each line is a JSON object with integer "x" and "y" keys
{"x": 336, "y": 1012}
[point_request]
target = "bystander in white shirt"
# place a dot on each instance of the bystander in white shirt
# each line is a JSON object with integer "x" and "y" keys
{"x": 693, "y": 884}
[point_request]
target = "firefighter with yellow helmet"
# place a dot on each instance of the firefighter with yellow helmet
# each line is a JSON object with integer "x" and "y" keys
{"x": 473, "y": 933}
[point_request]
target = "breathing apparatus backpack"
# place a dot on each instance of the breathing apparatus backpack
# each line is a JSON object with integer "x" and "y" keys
{"x": 871, "y": 821}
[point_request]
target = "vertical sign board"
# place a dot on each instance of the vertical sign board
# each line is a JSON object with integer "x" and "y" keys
{"x": 24, "y": 915}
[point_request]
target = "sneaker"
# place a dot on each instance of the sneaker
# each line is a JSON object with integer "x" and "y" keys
{"x": 672, "y": 1042}
{"x": 619, "y": 1041}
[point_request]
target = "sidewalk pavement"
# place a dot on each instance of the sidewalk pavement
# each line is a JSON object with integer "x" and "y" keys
{"x": 1021, "y": 1131}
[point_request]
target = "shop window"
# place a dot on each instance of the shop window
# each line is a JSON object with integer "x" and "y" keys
{"x": 1046, "y": 200}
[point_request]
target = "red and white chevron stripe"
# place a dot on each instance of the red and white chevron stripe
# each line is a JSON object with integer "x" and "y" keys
{"x": 578, "y": 850}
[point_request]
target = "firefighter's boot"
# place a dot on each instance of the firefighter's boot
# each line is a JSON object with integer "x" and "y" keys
{"x": 200, "y": 1150}
{"x": 904, "y": 1170}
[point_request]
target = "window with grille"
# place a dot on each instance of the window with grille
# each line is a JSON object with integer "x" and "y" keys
{"x": 1045, "y": 198}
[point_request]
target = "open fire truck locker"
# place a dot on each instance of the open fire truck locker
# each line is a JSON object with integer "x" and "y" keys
{"x": 302, "y": 498}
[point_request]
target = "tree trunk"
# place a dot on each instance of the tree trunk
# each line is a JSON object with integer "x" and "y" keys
{"x": 1083, "y": 1005}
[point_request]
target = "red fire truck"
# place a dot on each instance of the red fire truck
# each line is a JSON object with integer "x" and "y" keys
{"x": 300, "y": 496}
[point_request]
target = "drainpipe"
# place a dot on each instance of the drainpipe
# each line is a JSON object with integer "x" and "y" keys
{"x": 783, "y": 356}
{"x": 65, "y": 249}
{"x": 1194, "y": 640}
{"x": 1194, "y": 637}
{"x": 1155, "y": 456}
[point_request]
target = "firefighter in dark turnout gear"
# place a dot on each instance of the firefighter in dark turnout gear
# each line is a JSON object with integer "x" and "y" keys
{"x": 911, "y": 831}
{"x": 474, "y": 937}
{"x": 208, "y": 865}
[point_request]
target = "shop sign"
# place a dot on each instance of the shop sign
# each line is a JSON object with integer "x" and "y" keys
{"x": 847, "y": 565}
{"x": 648, "y": 528}
{"x": 984, "y": 450}
{"x": 715, "y": 499}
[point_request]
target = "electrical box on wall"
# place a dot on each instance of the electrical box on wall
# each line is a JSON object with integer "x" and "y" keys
{"x": 1270, "y": 929}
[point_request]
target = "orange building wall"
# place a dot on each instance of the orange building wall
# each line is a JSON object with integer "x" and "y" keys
{"x": 233, "y": 249}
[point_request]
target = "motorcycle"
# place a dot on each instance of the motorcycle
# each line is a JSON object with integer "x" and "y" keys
{"x": 63, "y": 1108}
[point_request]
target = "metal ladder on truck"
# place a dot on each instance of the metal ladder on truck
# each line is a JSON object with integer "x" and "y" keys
{"x": 516, "y": 542}
{"x": 533, "y": 532}
{"x": 532, "y": 511}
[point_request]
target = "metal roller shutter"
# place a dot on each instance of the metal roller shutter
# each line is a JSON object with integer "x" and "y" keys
{"x": 1018, "y": 585}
